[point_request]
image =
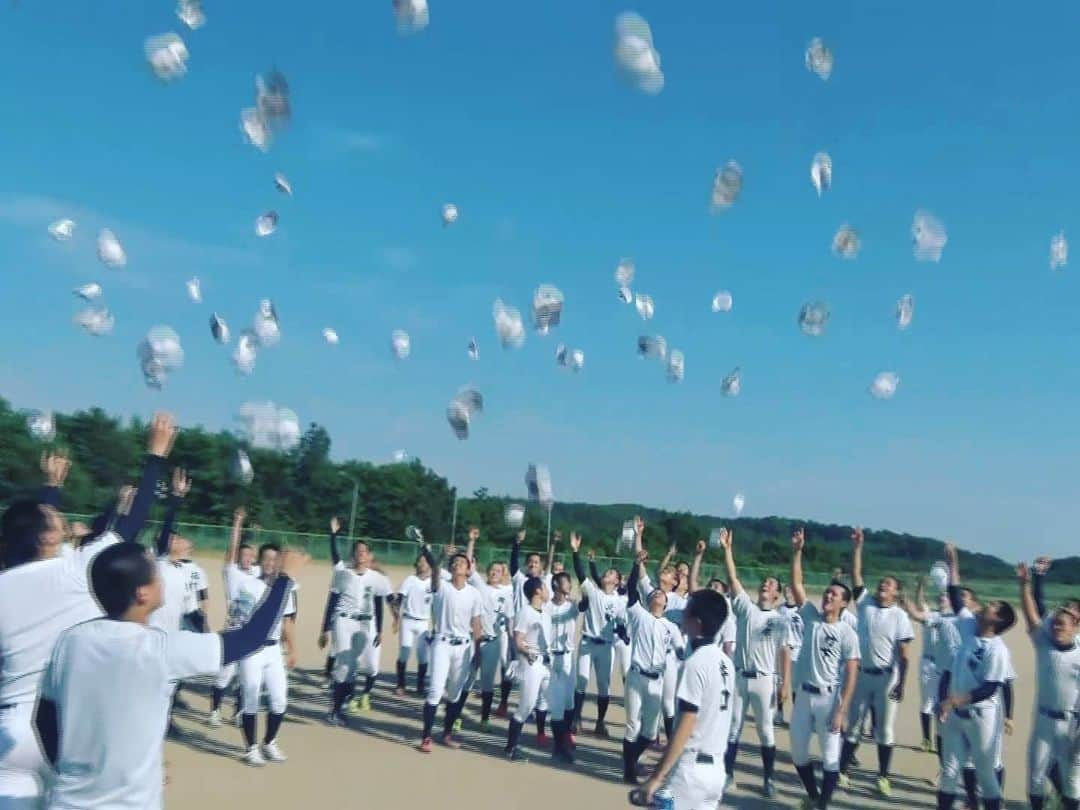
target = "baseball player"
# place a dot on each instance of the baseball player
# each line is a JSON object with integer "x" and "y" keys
{"x": 940, "y": 642}
{"x": 497, "y": 600}
{"x": 456, "y": 610}
{"x": 1057, "y": 701}
{"x": 789, "y": 651}
{"x": 172, "y": 549}
{"x": 621, "y": 648}
{"x": 885, "y": 632}
{"x": 693, "y": 763}
{"x": 83, "y": 720}
{"x": 968, "y": 711}
{"x": 653, "y": 638}
{"x": 532, "y": 644}
{"x": 266, "y": 667}
{"x": 758, "y": 638}
{"x": 353, "y": 622}
{"x": 559, "y": 694}
{"x": 829, "y": 655}
{"x": 412, "y": 615}
{"x": 239, "y": 564}
{"x": 43, "y": 592}
{"x": 519, "y": 576}
{"x": 604, "y": 610}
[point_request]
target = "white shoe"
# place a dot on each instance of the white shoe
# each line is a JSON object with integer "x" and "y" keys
{"x": 215, "y": 719}
{"x": 273, "y": 753}
{"x": 254, "y": 757}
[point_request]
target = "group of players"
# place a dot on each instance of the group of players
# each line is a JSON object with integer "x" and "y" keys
{"x": 696, "y": 661}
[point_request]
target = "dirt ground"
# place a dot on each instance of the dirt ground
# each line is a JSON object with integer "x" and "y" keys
{"x": 374, "y": 762}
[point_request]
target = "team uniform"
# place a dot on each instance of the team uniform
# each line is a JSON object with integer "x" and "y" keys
{"x": 196, "y": 591}
{"x": 497, "y": 604}
{"x": 414, "y": 609}
{"x": 533, "y": 668}
{"x": 826, "y": 649}
{"x": 233, "y": 575}
{"x": 707, "y": 689}
{"x": 792, "y": 640}
{"x": 452, "y": 646}
{"x": 1057, "y": 715}
{"x": 603, "y": 613}
{"x": 38, "y": 601}
{"x": 174, "y": 583}
{"x": 929, "y": 673}
{"x": 353, "y": 623}
{"x": 559, "y": 695}
{"x": 676, "y": 604}
{"x": 759, "y": 632}
{"x": 970, "y": 731}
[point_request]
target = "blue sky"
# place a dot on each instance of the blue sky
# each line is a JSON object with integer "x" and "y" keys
{"x": 514, "y": 113}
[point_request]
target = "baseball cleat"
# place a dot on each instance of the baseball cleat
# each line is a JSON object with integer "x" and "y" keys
{"x": 214, "y": 721}
{"x": 502, "y": 710}
{"x": 543, "y": 740}
{"x": 449, "y": 741}
{"x": 844, "y": 781}
{"x": 601, "y": 730}
{"x": 807, "y": 803}
{"x": 883, "y": 786}
{"x": 272, "y": 753}
{"x": 335, "y": 719}
{"x": 926, "y": 748}
{"x": 457, "y": 726}
{"x": 515, "y": 755}
{"x": 399, "y": 692}
{"x": 485, "y": 725}
{"x": 365, "y": 703}
{"x": 768, "y": 789}
{"x": 571, "y": 739}
{"x": 426, "y": 745}
{"x": 254, "y": 757}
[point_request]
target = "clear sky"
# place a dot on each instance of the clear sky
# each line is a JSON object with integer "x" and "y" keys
{"x": 514, "y": 112}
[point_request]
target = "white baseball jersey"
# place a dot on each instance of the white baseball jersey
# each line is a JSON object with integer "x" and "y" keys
{"x": 708, "y": 682}
{"x": 759, "y": 634}
{"x": 827, "y": 647}
{"x": 563, "y": 625}
{"x": 250, "y": 592}
{"x": 453, "y": 610}
{"x": 415, "y": 596}
{"x": 881, "y": 629}
{"x": 196, "y": 583}
{"x": 604, "y": 611}
{"x": 39, "y": 601}
{"x": 234, "y": 575}
{"x": 793, "y": 636}
{"x": 173, "y": 590}
{"x": 536, "y": 626}
{"x": 357, "y": 592}
{"x": 943, "y": 640}
{"x": 979, "y": 660}
{"x": 497, "y": 602}
{"x": 727, "y": 633}
{"x": 651, "y": 639}
{"x": 1057, "y": 673}
{"x": 106, "y": 759}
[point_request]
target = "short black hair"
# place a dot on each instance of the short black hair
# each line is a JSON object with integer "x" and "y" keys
{"x": 532, "y": 585}
{"x": 265, "y": 547}
{"x": 779, "y": 584}
{"x": 357, "y": 543}
{"x": 21, "y": 529}
{"x": 115, "y": 575}
{"x": 532, "y": 554}
{"x": 242, "y": 546}
{"x": 458, "y": 555}
{"x": 560, "y": 575}
{"x": 710, "y": 609}
{"x": 844, "y": 589}
{"x": 722, "y": 583}
{"x": 1006, "y": 616}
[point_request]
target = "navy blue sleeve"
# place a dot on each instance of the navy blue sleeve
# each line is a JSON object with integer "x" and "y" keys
{"x": 162, "y": 546}
{"x": 943, "y": 686}
{"x": 984, "y": 690}
{"x": 858, "y": 591}
{"x": 956, "y": 602}
{"x": 332, "y": 600}
{"x": 243, "y": 641}
{"x": 579, "y": 569}
{"x": 335, "y": 554}
{"x": 632, "y": 595}
{"x": 46, "y": 720}
{"x": 594, "y": 571}
{"x": 1037, "y": 581}
{"x": 515, "y": 557}
{"x": 128, "y": 526}
{"x": 378, "y": 614}
{"x": 49, "y": 496}
{"x": 687, "y": 706}
{"x": 197, "y": 619}
{"x": 436, "y": 574}
{"x": 1007, "y": 696}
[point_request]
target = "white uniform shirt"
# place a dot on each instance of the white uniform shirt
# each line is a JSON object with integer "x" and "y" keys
{"x": 497, "y": 602}
{"x": 517, "y": 582}
{"x": 357, "y": 592}
{"x": 39, "y": 601}
{"x": 676, "y": 603}
{"x": 415, "y": 596}
{"x": 1057, "y": 673}
{"x": 563, "y": 625}
{"x": 727, "y": 633}
{"x": 112, "y": 725}
{"x": 453, "y": 610}
{"x": 881, "y": 629}
{"x": 827, "y": 647}
{"x": 536, "y": 625}
{"x": 173, "y": 591}
{"x": 759, "y": 634}
{"x": 250, "y": 592}
{"x": 793, "y": 636}
{"x": 651, "y": 639}
{"x": 604, "y": 611}
{"x": 708, "y": 682}
{"x": 979, "y": 661}
{"x": 196, "y": 582}
{"x": 234, "y": 575}
{"x": 943, "y": 640}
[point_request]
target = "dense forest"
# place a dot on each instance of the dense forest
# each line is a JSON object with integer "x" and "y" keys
{"x": 299, "y": 490}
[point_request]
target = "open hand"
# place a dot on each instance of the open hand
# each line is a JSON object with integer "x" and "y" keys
{"x": 181, "y": 484}
{"x": 55, "y": 467}
{"x": 699, "y": 549}
{"x": 335, "y": 525}
{"x": 857, "y": 537}
{"x": 575, "y": 542}
{"x": 162, "y": 434}
{"x": 798, "y": 540}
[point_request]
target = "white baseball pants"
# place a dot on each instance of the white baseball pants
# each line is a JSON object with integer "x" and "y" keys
{"x": 695, "y": 785}
{"x": 23, "y": 770}
{"x": 759, "y": 696}
{"x": 929, "y": 679}
{"x": 354, "y": 650}
{"x": 560, "y": 689}
{"x": 532, "y": 680}
{"x": 970, "y": 737}
{"x": 672, "y": 670}
{"x": 594, "y": 655}
{"x": 644, "y": 697}
{"x": 622, "y": 658}
{"x": 872, "y": 692}
{"x": 1054, "y": 741}
{"x": 264, "y": 668}
{"x": 413, "y": 635}
{"x": 813, "y": 715}
{"x": 450, "y": 667}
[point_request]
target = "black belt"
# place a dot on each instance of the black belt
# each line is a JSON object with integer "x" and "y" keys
{"x": 596, "y": 639}
{"x": 1053, "y": 714}
{"x": 411, "y": 618}
{"x": 559, "y": 652}
{"x": 270, "y": 644}
{"x": 974, "y": 711}
{"x": 874, "y": 671}
{"x": 753, "y": 673}
{"x": 454, "y": 641}
{"x": 486, "y": 639}
{"x": 705, "y": 759}
{"x": 652, "y": 676}
{"x": 816, "y": 690}
{"x": 7, "y": 706}
{"x": 356, "y": 617}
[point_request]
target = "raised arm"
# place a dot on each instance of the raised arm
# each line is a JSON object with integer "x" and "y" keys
{"x": 632, "y": 595}
{"x": 726, "y": 540}
{"x": 181, "y": 485}
{"x": 858, "y": 586}
{"x": 54, "y": 468}
{"x": 579, "y": 567}
{"x": 158, "y": 445}
{"x": 594, "y": 570}
{"x": 956, "y": 601}
{"x": 243, "y": 641}
{"x": 639, "y": 535}
{"x": 335, "y": 552}
{"x": 1027, "y": 599}
{"x": 515, "y": 552}
{"x": 234, "y": 537}
{"x": 667, "y": 557}
{"x": 551, "y": 551}
{"x": 917, "y": 610}
{"x": 798, "y": 541}
{"x": 1038, "y": 579}
{"x": 436, "y": 572}
{"x": 695, "y": 566}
